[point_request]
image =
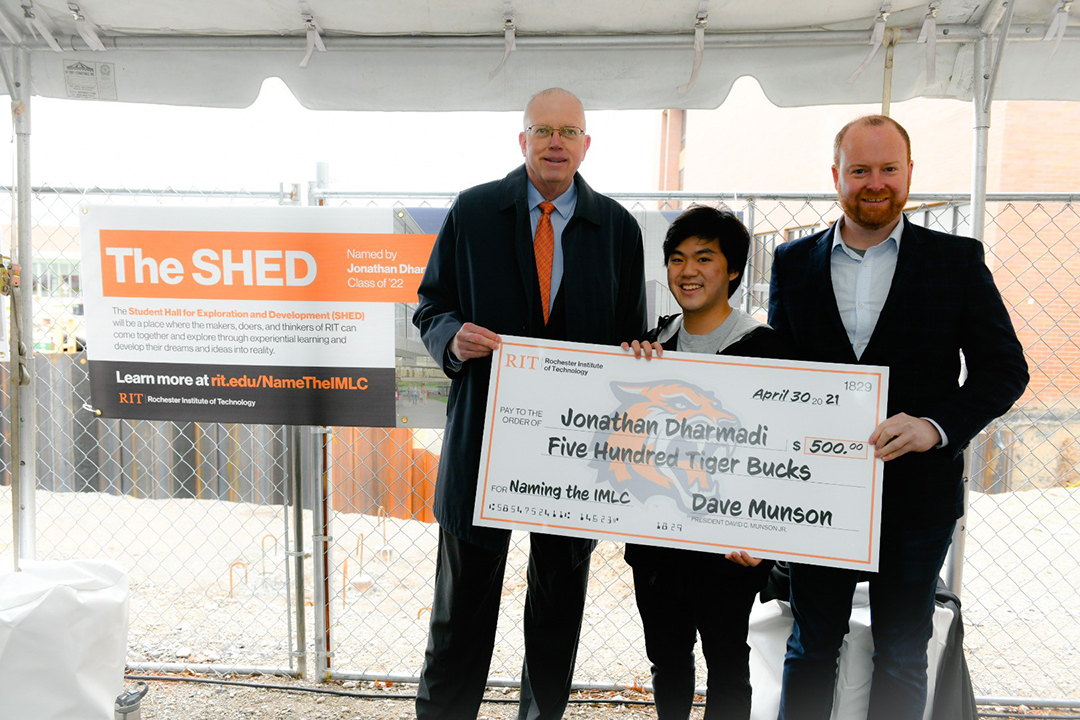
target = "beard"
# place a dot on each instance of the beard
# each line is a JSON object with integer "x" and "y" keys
{"x": 873, "y": 217}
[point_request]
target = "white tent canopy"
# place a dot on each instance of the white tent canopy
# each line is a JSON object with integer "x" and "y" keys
{"x": 449, "y": 54}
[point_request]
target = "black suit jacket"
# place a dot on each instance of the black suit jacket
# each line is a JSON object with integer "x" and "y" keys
{"x": 483, "y": 270}
{"x": 942, "y": 301}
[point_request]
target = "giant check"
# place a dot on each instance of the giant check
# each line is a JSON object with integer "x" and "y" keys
{"x": 704, "y": 452}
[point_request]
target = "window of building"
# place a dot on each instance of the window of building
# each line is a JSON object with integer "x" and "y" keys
{"x": 56, "y": 278}
{"x": 762, "y": 256}
{"x": 802, "y": 231}
{"x": 943, "y": 217}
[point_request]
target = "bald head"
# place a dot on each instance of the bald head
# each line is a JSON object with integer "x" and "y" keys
{"x": 563, "y": 97}
{"x": 553, "y": 140}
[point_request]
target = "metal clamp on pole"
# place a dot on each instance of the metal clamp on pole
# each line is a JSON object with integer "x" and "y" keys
{"x": 509, "y": 37}
{"x": 290, "y": 196}
{"x": 699, "y": 45}
{"x": 37, "y": 26}
{"x": 877, "y": 37}
{"x": 314, "y": 34}
{"x": 86, "y": 28}
{"x": 928, "y": 35}
{"x": 1058, "y": 23}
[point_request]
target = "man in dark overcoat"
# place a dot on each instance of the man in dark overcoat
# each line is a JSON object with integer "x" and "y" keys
{"x": 539, "y": 254}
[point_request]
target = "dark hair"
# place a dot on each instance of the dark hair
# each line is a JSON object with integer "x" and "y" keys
{"x": 709, "y": 223}
{"x": 869, "y": 121}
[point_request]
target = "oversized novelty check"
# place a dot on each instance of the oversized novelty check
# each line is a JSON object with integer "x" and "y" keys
{"x": 704, "y": 452}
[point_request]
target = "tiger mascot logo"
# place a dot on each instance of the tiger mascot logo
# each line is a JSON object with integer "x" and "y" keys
{"x": 684, "y": 404}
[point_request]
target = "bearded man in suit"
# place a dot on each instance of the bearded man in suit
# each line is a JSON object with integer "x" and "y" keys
{"x": 876, "y": 289}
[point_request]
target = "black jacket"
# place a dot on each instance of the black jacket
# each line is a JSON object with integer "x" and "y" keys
{"x": 483, "y": 270}
{"x": 942, "y": 301}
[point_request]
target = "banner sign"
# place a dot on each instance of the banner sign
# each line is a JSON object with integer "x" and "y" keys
{"x": 256, "y": 315}
{"x": 703, "y": 452}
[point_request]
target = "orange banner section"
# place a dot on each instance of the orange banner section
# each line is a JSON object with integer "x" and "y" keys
{"x": 339, "y": 267}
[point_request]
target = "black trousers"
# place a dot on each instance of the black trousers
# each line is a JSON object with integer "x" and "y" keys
{"x": 902, "y": 594}
{"x": 679, "y": 595}
{"x": 468, "y": 588}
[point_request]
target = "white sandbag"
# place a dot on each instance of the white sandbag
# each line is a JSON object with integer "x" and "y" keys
{"x": 63, "y": 639}
{"x": 770, "y": 625}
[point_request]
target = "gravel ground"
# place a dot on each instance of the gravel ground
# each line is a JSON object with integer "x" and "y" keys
{"x": 192, "y": 701}
{"x": 209, "y": 583}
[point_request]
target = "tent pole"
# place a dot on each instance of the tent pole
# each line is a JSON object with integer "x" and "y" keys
{"x": 23, "y": 442}
{"x": 296, "y": 499}
{"x": 981, "y": 104}
{"x": 947, "y": 34}
{"x": 980, "y": 101}
{"x": 319, "y": 469}
{"x": 14, "y": 359}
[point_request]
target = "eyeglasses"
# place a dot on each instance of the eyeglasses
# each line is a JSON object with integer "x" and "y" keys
{"x": 543, "y": 132}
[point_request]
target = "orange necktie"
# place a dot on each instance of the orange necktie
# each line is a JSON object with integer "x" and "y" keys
{"x": 544, "y": 247}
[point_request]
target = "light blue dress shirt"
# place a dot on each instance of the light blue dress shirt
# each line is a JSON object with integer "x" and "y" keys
{"x": 560, "y": 216}
{"x": 861, "y": 285}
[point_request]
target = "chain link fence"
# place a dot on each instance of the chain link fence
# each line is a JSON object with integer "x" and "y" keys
{"x": 195, "y": 512}
{"x": 200, "y": 513}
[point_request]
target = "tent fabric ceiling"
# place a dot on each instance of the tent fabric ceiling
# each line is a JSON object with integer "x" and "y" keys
{"x": 429, "y": 55}
{"x": 450, "y": 17}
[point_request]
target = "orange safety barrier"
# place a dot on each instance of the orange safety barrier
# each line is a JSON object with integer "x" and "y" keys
{"x": 376, "y": 468}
